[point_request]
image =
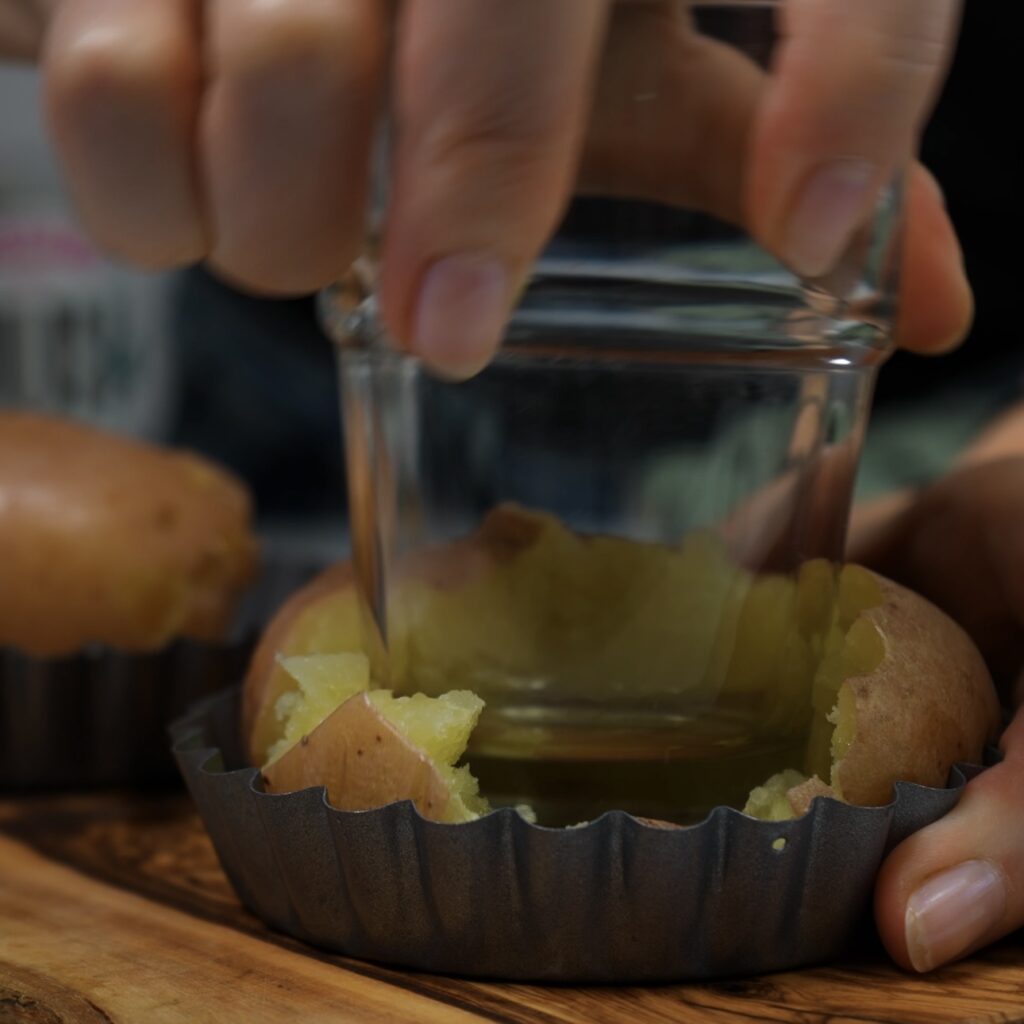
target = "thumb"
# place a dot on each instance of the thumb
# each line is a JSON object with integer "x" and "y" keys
{"x": 485, "y": 151}
{"x": 852, "y": 88}
{"x": 959, "y": 884}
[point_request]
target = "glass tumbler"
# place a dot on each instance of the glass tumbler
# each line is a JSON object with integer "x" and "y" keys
{"x": 617, "y": 533}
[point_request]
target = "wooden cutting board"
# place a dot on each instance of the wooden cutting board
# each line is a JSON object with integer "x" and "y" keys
{"x": 113, "y": 910}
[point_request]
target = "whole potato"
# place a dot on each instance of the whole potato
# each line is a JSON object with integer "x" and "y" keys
{"x": 112, "y": 541}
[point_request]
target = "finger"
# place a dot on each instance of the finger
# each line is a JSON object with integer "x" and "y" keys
{"x": 936, "y": 305}
{"x": 286, "y": 136}
{"x": 122, "y": 87}
{"x": 490, "y": 104}
{"x": 672, "y": 114}
{"x": 22, "y": 24}
{"x": 672, "y": 121}
{"x": 798, "y": 512}
{"x": 960, "y": 543}
{"x": 875, "y": 526}
{"x": 1002, "y": 438}
{"x": 844, "y": 110}
{"x": 959, "y": 884}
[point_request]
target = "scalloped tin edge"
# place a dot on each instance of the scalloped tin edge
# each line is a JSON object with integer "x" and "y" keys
{"x": 613, "y": 901}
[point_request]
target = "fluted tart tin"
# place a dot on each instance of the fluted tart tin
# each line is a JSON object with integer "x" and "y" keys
{"x": 615, "y": 900}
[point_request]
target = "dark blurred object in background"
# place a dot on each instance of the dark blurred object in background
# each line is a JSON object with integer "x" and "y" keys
{"x": 259, "y": 394}
{"x": 927, "y": 409}
{"x": 973, "y": 147}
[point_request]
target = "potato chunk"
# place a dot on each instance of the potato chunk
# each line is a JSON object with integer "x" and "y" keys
{"x": 900, "y": 694}
{"x": 370, "y": 748}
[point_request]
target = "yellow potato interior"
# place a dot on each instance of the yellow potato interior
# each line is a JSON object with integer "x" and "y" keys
{"x": 844, "y": 718}
{"x": 769, "y": 802}
{"x": 572, "y": 613}
{"x": 323, "y": 682}
{"x": 851, "y": 646}
{"x": 438, "y": 727}
{"x": 333, "y": 623}
{"x": 605, "y": 622}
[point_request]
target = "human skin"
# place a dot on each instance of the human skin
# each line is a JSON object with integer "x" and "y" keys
{"x": 959, "y": 884}
{"x": 239, "y": 132}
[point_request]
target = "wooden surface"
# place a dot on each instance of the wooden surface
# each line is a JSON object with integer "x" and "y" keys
{"x": 113, "y": 909}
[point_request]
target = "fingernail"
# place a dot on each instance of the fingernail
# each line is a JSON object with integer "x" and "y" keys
{"x": 952, "y": 911}
{"x": 828, "y": 211}
{"x": 461, "y": 313}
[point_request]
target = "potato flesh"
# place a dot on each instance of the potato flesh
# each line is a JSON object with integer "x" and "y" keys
{"x": 852, "y": 647}
{"x": 325, "y": 681}
{"x": 782, "y": 627}
{"x": 608, "y": 619}
{"x": 769, "y": 801}
{"x": 438, "y": 727}
{"x": 568, "y": 610}
{"x": 604, "y": 620}
{"x": 333, "y": 623}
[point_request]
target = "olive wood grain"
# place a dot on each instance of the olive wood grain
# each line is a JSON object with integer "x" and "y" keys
{"x": 113, "y": 909}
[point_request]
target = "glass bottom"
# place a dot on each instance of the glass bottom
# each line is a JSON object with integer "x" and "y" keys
{"x": 572, "y": 763}
{"x": 662, "y": 680}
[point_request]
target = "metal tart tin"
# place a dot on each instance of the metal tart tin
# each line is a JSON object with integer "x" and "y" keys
{"x": 616, "y": 900}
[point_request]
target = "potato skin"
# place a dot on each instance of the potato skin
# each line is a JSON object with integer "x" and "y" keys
{"x": 363, "y": 761}
{"x": 930, "y": 704}
{"x": 112, "y": 541}
{"x": 321, "y": 617}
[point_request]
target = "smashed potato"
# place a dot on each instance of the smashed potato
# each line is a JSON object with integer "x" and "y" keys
{"x": 900, "y": 694}
{"x": 370, "y": 748}
{"x": 874, "y": 683}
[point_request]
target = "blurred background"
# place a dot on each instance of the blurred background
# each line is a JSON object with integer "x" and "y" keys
{"x": 181, "y": 358}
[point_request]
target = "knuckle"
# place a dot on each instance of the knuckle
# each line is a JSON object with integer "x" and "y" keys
{"x": 114, "y": 62}
{"x": 493, "y": 135}
{"x": 308, "y": 35}
{"x": 888, "y": 53}
{"x": 907, "y": 56}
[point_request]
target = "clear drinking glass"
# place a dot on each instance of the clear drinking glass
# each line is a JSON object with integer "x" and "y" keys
{"x": 610, "y": 534}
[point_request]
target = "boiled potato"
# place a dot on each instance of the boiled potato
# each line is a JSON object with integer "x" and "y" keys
{"x": 900, "y": 694}
{"x": 523, "y": 603}
{"x": 370, "y": 748}
{"x": 322, "y": 617}
{"x": 108, "y": 540}
{"x": 884, "y": 685}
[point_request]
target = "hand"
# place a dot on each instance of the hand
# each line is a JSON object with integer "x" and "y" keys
{"x": 239, "y": 131}
{"x": 958, "y": 885}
